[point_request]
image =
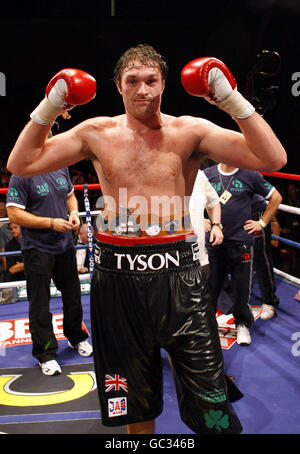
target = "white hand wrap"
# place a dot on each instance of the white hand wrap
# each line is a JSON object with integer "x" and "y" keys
{"x": 53, "y": 106}
{"x": 45, "y": 113}
{"x": 226, "y": 98}
{"x": 236, "y": 105}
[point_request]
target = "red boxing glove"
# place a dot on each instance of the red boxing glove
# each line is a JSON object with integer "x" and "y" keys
{"x": 76, "y": 88}
{"x": 210, "y": 78}
{"x": 68, "y": 88}
{"x": 195, "y": 76}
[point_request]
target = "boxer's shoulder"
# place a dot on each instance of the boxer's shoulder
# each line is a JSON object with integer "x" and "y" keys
{"x": 192, "y": 128}
{"x": 104, "y": 122}
{"x": 190, "y": 121}
{"x": 98, "y": 125}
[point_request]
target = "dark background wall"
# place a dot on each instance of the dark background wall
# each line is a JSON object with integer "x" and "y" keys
{"x": 39, "y": 38}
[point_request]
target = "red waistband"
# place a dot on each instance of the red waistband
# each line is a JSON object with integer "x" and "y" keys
{"x": 135, "y": 240}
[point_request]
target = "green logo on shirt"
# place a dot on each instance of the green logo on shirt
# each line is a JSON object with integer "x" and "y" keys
{"x": 61, "y": 183}
{"x": 268, "y": 185}
{"x": 13, "y": 193}
{"x": 42, "y": 189}
{"x": 216, "y": 186}
{"x": 237, "y": 185}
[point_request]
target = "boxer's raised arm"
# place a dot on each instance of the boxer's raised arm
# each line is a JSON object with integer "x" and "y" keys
{"x": 33, "y": 153}
{"x": 257, "y": 147}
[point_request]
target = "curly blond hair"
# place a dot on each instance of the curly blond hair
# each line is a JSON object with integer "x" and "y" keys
{"x": 143, "y": 53}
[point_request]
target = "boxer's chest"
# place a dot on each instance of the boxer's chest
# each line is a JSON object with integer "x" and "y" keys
{"x": 154, "y": 159}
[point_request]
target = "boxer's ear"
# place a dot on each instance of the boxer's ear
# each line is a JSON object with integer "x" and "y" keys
{"x": 118, "y": 84}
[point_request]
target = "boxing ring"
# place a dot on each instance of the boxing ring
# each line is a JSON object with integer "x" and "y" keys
{"x": 267, "y": 371}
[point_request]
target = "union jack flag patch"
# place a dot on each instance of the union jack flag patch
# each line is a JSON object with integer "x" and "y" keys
{"x": 115, "y": 383}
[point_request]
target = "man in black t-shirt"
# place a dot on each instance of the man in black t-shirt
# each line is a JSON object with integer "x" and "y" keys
{"x": 47, "y": 210}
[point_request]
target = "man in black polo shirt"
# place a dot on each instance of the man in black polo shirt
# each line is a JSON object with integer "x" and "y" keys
{"x": 236, "y": 188}
{"x": 41, "y": 204}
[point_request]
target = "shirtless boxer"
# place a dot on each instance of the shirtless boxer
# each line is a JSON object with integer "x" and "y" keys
{"x": 148, "y": 290}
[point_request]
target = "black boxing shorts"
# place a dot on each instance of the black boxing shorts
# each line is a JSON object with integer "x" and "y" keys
{"x": 146, "y": 297}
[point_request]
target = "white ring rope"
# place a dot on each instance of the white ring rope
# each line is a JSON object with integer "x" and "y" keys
{"x": 289, "y": 209}
{"x": 13, "y": 284}
{"x": 293, "y": 279}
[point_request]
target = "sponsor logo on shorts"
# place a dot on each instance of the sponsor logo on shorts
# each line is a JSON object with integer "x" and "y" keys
{"x": 213, "y": 396}
{"x": 117, "y": 407}
{"x": 196, "y": 251}
{"x": 115, "y": 383}
{"x": 142, "y": 262}
{"x": 97, "y": 255}
{"x": 216, "y": 419}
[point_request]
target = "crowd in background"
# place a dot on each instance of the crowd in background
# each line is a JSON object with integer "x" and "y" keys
{"x": 286, "y": 225}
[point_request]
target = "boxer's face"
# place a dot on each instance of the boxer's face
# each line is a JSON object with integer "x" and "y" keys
{"x": 141, "y": 88}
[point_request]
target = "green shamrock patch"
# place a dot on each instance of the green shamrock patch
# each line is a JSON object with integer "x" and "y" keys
{"x": 216, "y": 419}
